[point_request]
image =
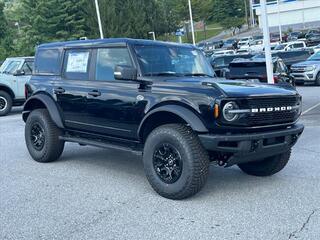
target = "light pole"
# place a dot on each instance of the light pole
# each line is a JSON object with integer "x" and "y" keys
{"x": 99, "y": 19}
{"x": 191, "y": 22}
{"x": 153, "y": 35}
{"x": 252, "y": 14}
{"x": 279, "y": 21}
{"x": 266, "y": 39}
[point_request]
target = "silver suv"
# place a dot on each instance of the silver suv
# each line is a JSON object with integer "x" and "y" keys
{"x": 307, "y": 71}
{"x": 14, "y": 73}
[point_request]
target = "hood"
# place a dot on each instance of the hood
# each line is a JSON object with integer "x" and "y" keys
{"x": 240, "y": 88}
{"x": 306, "y": 63}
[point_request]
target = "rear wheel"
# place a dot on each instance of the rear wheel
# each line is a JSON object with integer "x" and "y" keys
{"x": 5, "y": 103}
{"x": 175, "y": 162}
{"x": 42, "y": 137}
{"x": 268, "y": 166}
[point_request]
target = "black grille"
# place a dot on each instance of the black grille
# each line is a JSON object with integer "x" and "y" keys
{"x": 274, "y": 117}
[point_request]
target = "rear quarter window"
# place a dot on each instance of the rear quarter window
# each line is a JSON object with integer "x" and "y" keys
{"x": 48, "y": 62}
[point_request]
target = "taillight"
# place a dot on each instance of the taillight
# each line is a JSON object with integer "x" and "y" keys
{"x": 275, "y": 79}
{"x": 25, "y": 92}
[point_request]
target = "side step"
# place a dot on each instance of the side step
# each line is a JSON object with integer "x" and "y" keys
{"x": 100, "y": 144}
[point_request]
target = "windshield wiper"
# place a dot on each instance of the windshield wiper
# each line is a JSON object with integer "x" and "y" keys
{"x": 198, "y": 75}
{"x": 160, "y": 74}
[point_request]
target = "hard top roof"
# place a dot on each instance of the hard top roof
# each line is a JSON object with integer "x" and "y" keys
{"x": 23, "y": 58}
{"x": 109, "y": 41}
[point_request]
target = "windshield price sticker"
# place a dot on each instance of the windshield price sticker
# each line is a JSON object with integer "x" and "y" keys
{"x": 78, "y": 62}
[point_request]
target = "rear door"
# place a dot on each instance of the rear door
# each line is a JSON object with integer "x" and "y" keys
{"x": 72, "y": 90}
{"x": 26, "y": 69}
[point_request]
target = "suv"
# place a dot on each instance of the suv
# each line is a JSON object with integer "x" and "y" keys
{"x": 14, "y": 73}
{"x": 159, "y": 100}
{"x": 307, "y": 71}
{"x": 255, "y": 68}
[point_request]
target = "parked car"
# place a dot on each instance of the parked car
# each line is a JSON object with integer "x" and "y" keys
{"x": 257, "y": 46}
{"x": 290, "y": 57}
{"x": 307, "y": 71}
{"x": 294, "y": 36}
{"x": 255, "y": 68}
{"x": 230, "y": 44}
{"x": 316, "y": 48}
{"x": 311, "y": 32}
{"x": 158, "y": 100}
{"x": 224, "y": 52}
{"x": 313, "y": 39}
{"x": 244, "y": 42}
{"x": 298, "y": 45}
{"x": 14, "y": 73}
{"x": 220, "y": 63}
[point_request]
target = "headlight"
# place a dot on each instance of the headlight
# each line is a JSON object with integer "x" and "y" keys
{"x": 229, "y": 112}
{"x": 310, "y": 68}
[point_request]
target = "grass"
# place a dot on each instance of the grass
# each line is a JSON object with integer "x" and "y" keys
{"x": 213, "y": 29}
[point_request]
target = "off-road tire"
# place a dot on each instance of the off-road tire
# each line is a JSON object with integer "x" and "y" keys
{"x": 268, "y": 166}
{"x": 193, "y": 156}
{"x": 52, "y": 146}
{"x": 318, "y": 80}
{"x": 7, "y": 99}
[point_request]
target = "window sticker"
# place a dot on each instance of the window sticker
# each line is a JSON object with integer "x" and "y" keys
{"x": 78, "y": 62}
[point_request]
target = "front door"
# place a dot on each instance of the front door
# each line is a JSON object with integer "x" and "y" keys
{"x": 115, "y": 107}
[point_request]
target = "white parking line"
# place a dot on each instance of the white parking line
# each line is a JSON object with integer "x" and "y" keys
{"x": 310, "y": 109}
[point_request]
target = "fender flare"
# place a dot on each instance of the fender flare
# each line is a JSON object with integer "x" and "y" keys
{"x": 187, "y": 115}
{"x": 50, "y": 105}
{"x": 8, "y": 89}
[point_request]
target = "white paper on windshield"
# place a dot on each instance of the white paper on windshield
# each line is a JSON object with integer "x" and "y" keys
{"x": 78, "y": 62}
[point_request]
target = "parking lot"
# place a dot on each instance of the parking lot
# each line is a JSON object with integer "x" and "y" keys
{"x": 101, "y": 194}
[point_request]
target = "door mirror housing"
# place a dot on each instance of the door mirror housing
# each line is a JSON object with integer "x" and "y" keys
{"x": 19, "y": 73}
{"x": 124, "y": 72}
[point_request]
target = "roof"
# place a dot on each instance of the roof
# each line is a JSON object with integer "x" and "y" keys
{"x": 19, "y": 58}
{"x": 108, "y": 41}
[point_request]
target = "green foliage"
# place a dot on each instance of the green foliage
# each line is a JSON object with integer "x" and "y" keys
{"x": 26, "y": 23}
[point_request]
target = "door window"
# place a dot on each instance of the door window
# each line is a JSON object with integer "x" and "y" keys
{"x": 12, "y": 67}
{"x": 76, "y": 65}
{"x": 27, "y": 68}
{"x": 107, "y": 59}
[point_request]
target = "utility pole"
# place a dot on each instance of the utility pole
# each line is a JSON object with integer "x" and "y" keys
{"x": 266, "y": 39}
{"x": 191, "y": 22}
{"x": 279, "y": 21}
{"x": 252, "y": 14}
{"x": 99, "y": 19}
{"x": 246, "y": 12}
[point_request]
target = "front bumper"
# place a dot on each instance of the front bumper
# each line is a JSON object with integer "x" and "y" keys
{"x": 241, "y": 148}
{"x": 304, "y": 76}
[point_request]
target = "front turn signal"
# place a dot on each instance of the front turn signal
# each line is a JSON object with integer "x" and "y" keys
{"x": 216, "y": 111}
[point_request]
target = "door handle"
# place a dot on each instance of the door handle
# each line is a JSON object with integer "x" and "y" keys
{"x": 59, "y": 90}
{"x": 94, "y": 93}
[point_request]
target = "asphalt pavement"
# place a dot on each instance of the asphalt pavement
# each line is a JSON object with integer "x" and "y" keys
{"x": 95, "y": 193}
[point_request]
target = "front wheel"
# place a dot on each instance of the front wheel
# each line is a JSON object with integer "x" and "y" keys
{"x": 42, "y": 137}
{"x": 175, "y": 162}
{"x": 268, "y": 166}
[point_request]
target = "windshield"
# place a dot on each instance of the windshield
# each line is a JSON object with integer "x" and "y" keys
{"x": 172, "y": 60}
{"x": 315, "y": 57}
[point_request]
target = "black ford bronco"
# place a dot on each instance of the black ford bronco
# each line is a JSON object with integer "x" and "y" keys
{"x": 159, "y": 100}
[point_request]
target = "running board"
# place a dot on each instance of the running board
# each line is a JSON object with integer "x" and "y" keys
{"x": 100, "y": 144}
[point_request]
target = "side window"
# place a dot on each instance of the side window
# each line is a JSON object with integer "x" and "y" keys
{"x": 12, "y": 67}
{"x": 48, "y": 62}
{"x": 107, "y": 59}
{"x": 27, "y": 68}
{"x": 76, "y": 64}
{"x": 298, "y": 45}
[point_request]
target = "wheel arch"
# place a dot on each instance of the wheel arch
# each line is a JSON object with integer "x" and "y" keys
{"x": 169, "y": 114}
{"x": 7, "y": 89}
{"x": 43, "y": 101}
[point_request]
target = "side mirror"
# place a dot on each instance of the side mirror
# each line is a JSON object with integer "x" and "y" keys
{"x": 19, "y": 73}
{"x": 124, "y": 72}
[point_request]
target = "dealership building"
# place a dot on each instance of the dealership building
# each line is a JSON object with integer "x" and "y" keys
{"x": 295, "y": 14}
